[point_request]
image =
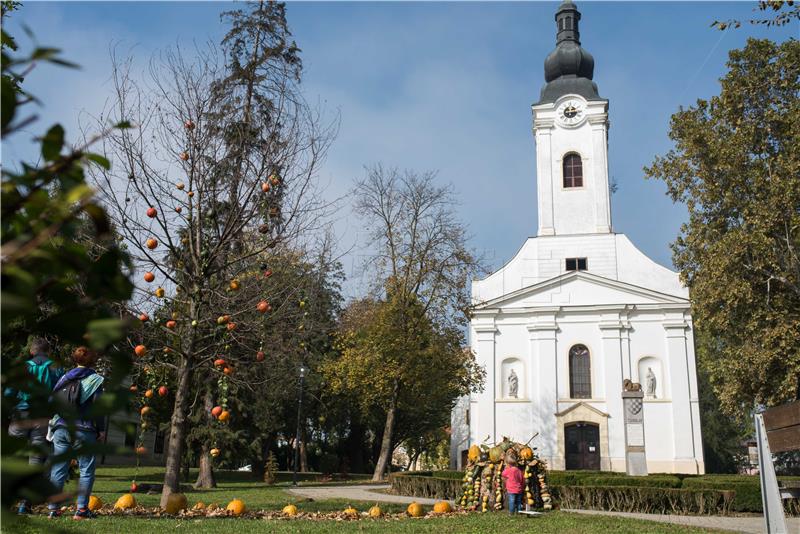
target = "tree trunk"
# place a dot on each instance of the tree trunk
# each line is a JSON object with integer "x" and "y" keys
{"x": 385, "y": 456}
{"x": 205, "y": 478}
{"x": 177, "y": 431}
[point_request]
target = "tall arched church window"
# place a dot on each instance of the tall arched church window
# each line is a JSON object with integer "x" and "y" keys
{"x": 573, "y": 170}
{"x": 580, "y": 373}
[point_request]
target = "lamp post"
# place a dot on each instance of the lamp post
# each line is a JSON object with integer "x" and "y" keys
{"x": 297, "y": 435}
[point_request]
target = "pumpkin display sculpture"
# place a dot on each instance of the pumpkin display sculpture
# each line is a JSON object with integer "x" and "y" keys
{"x": 483, "y": 487}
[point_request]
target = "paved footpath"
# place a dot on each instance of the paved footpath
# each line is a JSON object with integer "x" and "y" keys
{"x": 367, "y": 492}
{"x": 750, "y": 525}
{"x": 375, "y": 493}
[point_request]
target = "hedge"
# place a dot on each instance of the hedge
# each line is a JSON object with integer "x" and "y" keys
{"x": 423, "y": 484}
{"x": 719, "y": 493}
{"x": 645, "y": 500}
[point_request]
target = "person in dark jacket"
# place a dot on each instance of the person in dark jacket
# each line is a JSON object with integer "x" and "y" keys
{"x": 34, "y": 431}
{"x": 87, "y": 431}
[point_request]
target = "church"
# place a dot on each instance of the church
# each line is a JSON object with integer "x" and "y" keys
{"x": 579, "y": 309}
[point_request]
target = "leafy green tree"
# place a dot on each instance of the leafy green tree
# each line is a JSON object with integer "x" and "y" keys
{"x": 393, "y": 356}
{"x": 54, "y": 284}
{"x": 782, "y": 12}
{"x": 736, "y": 167}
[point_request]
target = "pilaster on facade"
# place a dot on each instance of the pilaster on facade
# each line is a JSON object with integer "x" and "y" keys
{"x": 675, "y": 328}
{"x": 613, "y": 326}
{"x": 542, "y": 334}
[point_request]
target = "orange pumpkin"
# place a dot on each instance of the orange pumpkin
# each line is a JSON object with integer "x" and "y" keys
{"x": 415, "y": 510}
{"x": 236, "y": 507}
{"x": 442, "y": 507}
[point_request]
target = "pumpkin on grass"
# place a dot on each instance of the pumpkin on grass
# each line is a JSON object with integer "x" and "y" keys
{"x": 175, "y": 503}
{"x": 126, "y": 502}
{"x": 415, "y": 510}
{"x": 375, "y": 511}
{"x": 350, "y": 511}
{"x": 442, "y": 507}
{"x": 290, "y": 510}
{"x": 236, "y": 506}
{"x": 95, "y": 503}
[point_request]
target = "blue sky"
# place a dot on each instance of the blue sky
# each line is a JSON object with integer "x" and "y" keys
{"x": 443, "y": 86}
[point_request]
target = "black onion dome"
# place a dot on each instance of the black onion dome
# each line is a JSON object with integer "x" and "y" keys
{"x": 569, "y": 68}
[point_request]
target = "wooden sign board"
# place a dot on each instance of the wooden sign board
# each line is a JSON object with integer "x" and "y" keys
{"x": 783, "y": 427}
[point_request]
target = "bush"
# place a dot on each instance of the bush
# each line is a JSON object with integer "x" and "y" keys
{"x": 645, "y": 500}
{"x": 747, "y": 491}
{"x": 424, "y": 484}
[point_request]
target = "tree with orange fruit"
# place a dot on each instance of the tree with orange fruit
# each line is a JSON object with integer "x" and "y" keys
{"x": 187, "y": 194}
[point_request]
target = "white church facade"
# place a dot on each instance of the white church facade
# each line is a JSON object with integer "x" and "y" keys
{"x": 579, "y": 309}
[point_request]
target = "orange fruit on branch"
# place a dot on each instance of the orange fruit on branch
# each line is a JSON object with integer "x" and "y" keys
{"x": 180, "y": 186}
{"x": 260, "y": 356}
{"x": 145, "y": 410}
{"x": 141, "y": 451}
{"x": 219, "y": 362}
{"x": 151, "y": 243}
{"x": 171, "y": 324}
{"x": 184, "y": 156}
{"x": 224, "y": 415}
{"x": 178, "y": 209}
{"x": 148, "y": 393}
{"x": 216, "y": 410}
{"x": 265, "y": 187}
{"x": 144, "y": 317}
{"x": 162, "y": 391}
{"x": 228, "y": 370}
{"x": 263, "y": 306}
{"x": 160, "y": 292}
{"x": 134, "y": 388}
{"x": 234, "y": 285}
{"x": 140, "y": 350}
{"x": 231, "y": 327}
{"x": 152, "y": 212}
{"x": 149, "y": 277}
{"x": 188, "y": 124}
{"x": 214, "y": 452}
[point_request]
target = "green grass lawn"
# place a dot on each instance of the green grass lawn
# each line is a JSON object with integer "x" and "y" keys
{"x": 113, "y": 482}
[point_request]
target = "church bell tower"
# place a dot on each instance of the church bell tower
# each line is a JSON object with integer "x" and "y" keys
{"x": 570, "y": 125}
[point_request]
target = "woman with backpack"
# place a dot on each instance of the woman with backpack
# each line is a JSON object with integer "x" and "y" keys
{"x": 76, "y": 392}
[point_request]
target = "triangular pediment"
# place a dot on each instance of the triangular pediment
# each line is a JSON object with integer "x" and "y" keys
{"x": 580, "y": 288}
{"x": 582, "y": 406}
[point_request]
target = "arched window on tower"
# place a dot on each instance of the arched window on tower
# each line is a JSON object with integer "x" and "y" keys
{"x": 573, "y": 170}
{"x": 580, "y": 373}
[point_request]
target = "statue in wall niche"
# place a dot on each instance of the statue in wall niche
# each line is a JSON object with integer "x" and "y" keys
{"x": 650, "y": 383}
{"x": 513, "y": 384}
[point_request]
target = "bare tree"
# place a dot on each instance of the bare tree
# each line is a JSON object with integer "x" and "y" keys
{"x": 418, "y": 253}
{"x": 208, "y": 181}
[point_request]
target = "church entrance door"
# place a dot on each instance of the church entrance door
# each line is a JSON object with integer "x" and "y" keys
{"x": 582, "y": 446}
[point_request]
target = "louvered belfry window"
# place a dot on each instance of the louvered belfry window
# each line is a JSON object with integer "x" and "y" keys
{"x": 580, "y": 373}
{"x": 573, "y": 171}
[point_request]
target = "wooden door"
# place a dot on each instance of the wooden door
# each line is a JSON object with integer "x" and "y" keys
{"x": 582, "y": 446}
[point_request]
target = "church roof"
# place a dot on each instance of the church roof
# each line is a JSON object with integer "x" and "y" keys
{"x": 630, "y": 293}
{"x": 569, "y": 68}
